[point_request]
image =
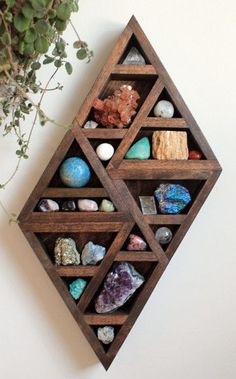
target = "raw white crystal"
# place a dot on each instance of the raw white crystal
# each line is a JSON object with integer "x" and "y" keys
{"x": 105, "y": 334}
{"x": 134, "y": 57}
{"x": 92, "y": 253}
{"x": 90, "y": 124}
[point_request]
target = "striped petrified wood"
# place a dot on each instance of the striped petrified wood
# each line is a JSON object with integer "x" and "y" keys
{"x": 123, "y": 181}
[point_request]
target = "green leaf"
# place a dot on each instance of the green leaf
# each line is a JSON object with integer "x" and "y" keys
{"x": 38, "y": 5}
{"x": 29, "y": 48}
{"x": 6, "y": 39}
{"x": 69, "y": 68}
{"x": 41, "y": 45}
{"x": 17, "y": 113}
{"x": 41, "y": 26}
{"x": 42, "y": 118}
{"x": 15, "y": 41}
{"x": 48, "y": 60}
{"x": 28, "y": 11}
{"x": 75, "y": 6}
{"x": 35, "y": 66}
{"x": 8, "y": 16}
{"x": 21, "y": 23}
{"x": 64, "y": 11}
{"x": 58, "y": 63}
{"x": 81, "y": 54}
{"x": 30, "y": 35}
{"x": 51, "y": 33}
{"x": 61, "y": 45}
{"x": 34, "y": 87}
{"x": 52, "y": 13}
{"x": 21, "y": 46}
{"x": 39, "y": 14}
{"x": 60, "y": 25}
{"x": 80, "y": 44}
{"x": 10, "y": 3}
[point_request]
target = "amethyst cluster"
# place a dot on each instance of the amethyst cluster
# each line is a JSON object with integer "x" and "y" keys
{"x": 120, "y": 284}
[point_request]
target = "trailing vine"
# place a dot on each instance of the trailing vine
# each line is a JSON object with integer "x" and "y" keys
{"x": 30, "y": 38}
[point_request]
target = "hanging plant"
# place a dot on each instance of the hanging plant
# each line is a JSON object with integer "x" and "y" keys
{"x": 29, "y": 30}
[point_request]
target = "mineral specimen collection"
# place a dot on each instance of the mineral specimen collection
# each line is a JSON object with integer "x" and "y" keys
{"x": 123, "y": 181}
{"x": 66, "y": 253}
{"x": 84, "y": 205}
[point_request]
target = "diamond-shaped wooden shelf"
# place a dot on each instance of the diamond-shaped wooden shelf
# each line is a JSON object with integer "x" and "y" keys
{"x": 122, "y": 181}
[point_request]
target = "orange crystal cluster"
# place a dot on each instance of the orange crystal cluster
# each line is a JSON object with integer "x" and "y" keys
{"x": 117, "y": 109}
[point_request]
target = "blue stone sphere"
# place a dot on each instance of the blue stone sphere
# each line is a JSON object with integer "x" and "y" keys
{"x": 75, "y": 173}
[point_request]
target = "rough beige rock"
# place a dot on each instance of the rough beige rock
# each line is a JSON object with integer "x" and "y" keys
{"x": 169, "y": 145}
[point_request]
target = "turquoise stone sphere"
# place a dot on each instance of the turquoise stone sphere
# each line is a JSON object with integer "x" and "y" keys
{"x": 74, "y": 172}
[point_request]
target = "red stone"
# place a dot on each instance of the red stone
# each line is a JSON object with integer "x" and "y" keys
{"x": 117, "y": 109}
{"x": 194, "y": 155}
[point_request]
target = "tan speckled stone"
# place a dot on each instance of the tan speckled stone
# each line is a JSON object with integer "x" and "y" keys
{"x": 169, "y": 145}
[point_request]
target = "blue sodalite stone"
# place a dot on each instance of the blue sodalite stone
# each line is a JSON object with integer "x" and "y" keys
{"x": 77, "y": 288}
{"x": 74, "y": 172}
{"x": 172, "y": 198}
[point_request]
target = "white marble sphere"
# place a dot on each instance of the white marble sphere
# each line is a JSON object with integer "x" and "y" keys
{"x": 164, "y": 109}
{"x": 105, "y": 151}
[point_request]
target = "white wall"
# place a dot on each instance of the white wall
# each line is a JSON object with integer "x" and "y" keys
{"x": 187, "y": 330}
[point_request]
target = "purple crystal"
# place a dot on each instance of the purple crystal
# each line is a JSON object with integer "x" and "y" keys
{"x": 119, "y": 285}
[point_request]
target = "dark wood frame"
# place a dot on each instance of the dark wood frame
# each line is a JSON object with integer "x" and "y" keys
{"x": 113, "y": 180}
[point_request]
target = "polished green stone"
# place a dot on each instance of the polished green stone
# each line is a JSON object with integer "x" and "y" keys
{"x": 140, "y": 150}
{"x": 106, "y": 206}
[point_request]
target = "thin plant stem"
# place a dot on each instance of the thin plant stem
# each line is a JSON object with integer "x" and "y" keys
{"x": 76, "y": 33}
{"x": 10, "y": 217}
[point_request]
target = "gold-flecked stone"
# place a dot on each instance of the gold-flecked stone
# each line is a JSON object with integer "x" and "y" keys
{"x": 65, "y": 252}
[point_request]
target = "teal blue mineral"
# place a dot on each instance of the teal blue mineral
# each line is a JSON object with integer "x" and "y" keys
{"x": 140, "y": 150}
{"x": 77, "y": 288}
{"x": 74, "y": 172}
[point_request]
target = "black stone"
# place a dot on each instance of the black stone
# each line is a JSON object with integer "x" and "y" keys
{"x": 68, "y": 205}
